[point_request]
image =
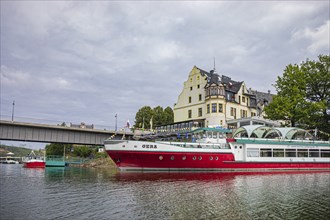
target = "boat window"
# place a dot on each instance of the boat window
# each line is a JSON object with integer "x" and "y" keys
{"x": 172, "y": 157}
{"x": 200, "y": 158}
{"x": 290, "y": 153}
{"x": 160, "y": 157}
{"x": 211, "y": 158}
{"x": 325, "y": 153}
{"x": 209, "y": 134}
{"x": 302, "y": 153}
{"x": 194, "y": 158}
{"x": 214, "y": 135}
{"x": 184, "y": 158}
{"x": 278, "y": 152}
{"x": 265, "y": 152}
{"x": 314, "y": 153}
{"x": 216, "y": 158}
{"x": 253, "y": 152}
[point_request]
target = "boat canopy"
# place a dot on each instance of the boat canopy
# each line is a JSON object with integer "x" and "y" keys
{"x": 261, "y": 131}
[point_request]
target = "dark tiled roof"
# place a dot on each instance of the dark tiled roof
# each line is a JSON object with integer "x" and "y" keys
{"x": 234, "y": 87}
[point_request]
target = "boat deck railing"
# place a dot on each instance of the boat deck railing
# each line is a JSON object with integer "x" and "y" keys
{"x": 282, "y": 141}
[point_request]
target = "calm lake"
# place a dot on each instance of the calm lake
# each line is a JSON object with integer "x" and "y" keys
{"x": 85, "y": 193}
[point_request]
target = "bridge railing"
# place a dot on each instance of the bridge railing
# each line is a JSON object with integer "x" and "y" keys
{"x": 52, "y": 122}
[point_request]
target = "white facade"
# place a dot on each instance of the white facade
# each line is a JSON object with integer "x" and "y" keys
{"x": 211, "y": 100}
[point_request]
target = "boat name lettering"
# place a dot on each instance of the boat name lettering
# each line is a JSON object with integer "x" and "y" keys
{"x": 149, "y": 146}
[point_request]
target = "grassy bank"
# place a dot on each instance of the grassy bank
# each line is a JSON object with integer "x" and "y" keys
{"x": 106, "y": 162}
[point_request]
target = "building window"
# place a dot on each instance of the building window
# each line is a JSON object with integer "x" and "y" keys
{"x": 243, "y": 99}
{"x": 214, "y": 107}
{"x": 239, "y": 99}
{"x": 200, "y": 112}
{"x": 189, "y": 99}
{"x": 253, "y": 114}
{"x": 198, "y": 86}
{"x": 221, "y": 122}
{"x": 233, "y": 112}
{"x": 190, "y": 79}
{"x": 243, "y": 113}
{"x": 208, "y": 108}
{"x": 220, "y": 108}
{"x": 190, "y": 88}
{"x": 189, "y": 113}
{"x": 200, "y": 97}
{"x": 213, "y": 91}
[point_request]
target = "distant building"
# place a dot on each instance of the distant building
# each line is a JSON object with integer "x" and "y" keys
{"x": 210, "y": 100}
{"x": 82, "y": 125}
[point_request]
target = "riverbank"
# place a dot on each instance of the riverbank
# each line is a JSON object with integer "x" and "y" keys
{"x": 106, "y": 162}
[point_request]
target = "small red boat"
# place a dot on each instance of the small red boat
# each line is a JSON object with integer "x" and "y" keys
{"x": 34, "y": 161}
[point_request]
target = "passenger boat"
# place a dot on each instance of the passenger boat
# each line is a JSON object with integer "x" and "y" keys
{"x": 34, "y": 161}
{"x": 9, "y": 161}
{"x": 252, "y": 148}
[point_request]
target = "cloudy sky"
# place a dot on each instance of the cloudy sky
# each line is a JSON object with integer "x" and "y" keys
{"x": 85, "y": 61}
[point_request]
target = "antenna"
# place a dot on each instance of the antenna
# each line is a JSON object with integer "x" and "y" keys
{"x": 214, "y": 63}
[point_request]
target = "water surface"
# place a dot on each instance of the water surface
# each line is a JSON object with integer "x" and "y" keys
{"x": 82, "y": 193}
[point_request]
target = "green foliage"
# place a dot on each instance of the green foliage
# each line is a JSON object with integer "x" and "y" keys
{"x": 303, "y": 95}
{"x": 168, "y": 115}
{"x": 101, "y": 155}
{"x": 82, "y": 151}
{"x": 58, "y": 149}
{"x": 158, "y": 116}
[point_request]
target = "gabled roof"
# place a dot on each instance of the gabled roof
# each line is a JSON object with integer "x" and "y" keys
{"x": 234, "y": 87}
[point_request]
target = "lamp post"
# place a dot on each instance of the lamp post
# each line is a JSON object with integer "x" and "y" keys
{"x": 12, "y": 112}
{"x": 116, "y": 123}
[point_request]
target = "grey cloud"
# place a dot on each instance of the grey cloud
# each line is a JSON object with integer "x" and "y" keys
{"x": 87, "y": 61}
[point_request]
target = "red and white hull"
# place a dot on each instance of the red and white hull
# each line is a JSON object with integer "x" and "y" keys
{"x": 152, "y": 156}
{"x": 34, "y": 163}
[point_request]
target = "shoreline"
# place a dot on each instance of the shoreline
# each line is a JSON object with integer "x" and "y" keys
{"x": 98, "y": 163}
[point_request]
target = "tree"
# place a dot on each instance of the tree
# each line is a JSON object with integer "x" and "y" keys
{"x": 143, "y": 116}
{"x": 82, "y": 151}
{"x": 303, "y": 95}
{"x": 57, "y": 149}
{"x": 318, "y": 92}
{"x": 158, "y": 114}
{"x": 291, "y": 93}
{"x": 168, "y": 115}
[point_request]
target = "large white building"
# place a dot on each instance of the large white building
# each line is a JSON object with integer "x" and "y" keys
{"x": 209, "y": 100}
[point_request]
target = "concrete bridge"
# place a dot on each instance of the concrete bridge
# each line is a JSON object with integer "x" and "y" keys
{"x": 25, "y": 131}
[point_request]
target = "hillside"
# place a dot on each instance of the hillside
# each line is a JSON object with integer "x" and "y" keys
{"x": 18, "y": 151}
